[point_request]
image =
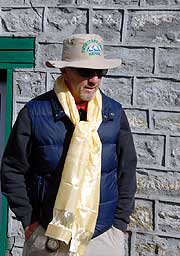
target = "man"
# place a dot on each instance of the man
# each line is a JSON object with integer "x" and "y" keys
{"x": 68, "y": 170}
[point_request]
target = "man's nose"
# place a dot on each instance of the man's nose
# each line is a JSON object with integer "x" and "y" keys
{"x": 94, "y": 78}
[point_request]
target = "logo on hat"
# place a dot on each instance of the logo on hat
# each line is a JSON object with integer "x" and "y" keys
{"x": 84, "y": 51}
{"x": 92, "y": 47}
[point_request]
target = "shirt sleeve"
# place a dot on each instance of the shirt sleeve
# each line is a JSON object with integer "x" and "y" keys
{"x": 126, "y": 175}
{"x": 15, "y": 164}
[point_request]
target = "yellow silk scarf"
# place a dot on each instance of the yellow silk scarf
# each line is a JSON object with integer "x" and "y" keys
{"x": 77, "y": 202}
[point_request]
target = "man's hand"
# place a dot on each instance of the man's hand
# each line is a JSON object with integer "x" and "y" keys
{"x": 30, "y": 229}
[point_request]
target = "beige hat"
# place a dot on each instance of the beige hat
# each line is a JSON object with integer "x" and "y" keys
{"x": 84, "y": 51}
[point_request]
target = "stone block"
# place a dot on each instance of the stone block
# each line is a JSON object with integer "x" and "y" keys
{"x": 153, "y": 27}
{"x": 155, "y": 2}
{"x": 169, "y": 217}
{"x": 169, "y": 61}
{"x": 137, "y": 118}
{"x": 161, "y": 2}
{"x": 142, "y": 217}
{"x": 175, "y": 152}
{"x": 26, "y": 20}
{"x": 134, "y": 60}
{"x": 108, "y": 24}
{"x": 158, "y": 92}
{"x": 84, "y": 2}
{"x": 158, "y": 183}
{"x": 150, "y": 149}
{"x": 151, "y": 245}
{"x": 110, "y": 2}
{"x": 19, "y": 239}
{"x": 167, "y": 121}
{"x": 16, "y": 251}
{"x": 50, "y": 3}
{"x": 51, "y": 80}
{"x": 119, "y": 89}
{"x": 63, "y": 22}
{"x": 14, "y": 226}
{"x": 10, "y": 3}
{"x": 48, "y": 52}
{"x": 29, "y": 84}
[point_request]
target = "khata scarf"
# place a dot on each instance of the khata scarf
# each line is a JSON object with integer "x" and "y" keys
{"x": 77, "y": 201}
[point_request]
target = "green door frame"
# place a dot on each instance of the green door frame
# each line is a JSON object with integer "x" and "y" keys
{"x": 14, "y": 53}
{"x": 3, "y": 228}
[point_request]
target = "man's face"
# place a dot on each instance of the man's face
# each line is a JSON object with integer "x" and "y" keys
{"x": 82, "y": 83}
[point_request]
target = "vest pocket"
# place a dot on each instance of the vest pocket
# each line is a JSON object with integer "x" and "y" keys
{"x": 41, "y": 188}
{"x": 37, "y": 190}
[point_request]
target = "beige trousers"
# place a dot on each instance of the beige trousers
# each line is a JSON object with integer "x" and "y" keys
{"x": 110, "y": 243}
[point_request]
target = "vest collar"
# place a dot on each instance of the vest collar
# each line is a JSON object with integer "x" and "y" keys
{"x": 107, "y": 112}
{"x": 58, "y": 112}
{"x": 57, "y": 109}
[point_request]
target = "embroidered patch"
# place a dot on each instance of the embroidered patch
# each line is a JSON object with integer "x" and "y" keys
{"x": 92, "y": 47}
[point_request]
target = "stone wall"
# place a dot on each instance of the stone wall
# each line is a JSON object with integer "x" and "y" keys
{"x": 145, "y": 34}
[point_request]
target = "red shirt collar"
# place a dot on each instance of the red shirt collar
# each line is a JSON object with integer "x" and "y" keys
{"x": 82, "y": 106}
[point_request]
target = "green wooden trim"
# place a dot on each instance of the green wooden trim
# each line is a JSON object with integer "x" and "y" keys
{"x": 16, "y": 65}
{"x": 3, "y": 228}
{"x": 15, "y": 43}
{"x": 17, "y": 56}
{"x": 14, "y": 53}
{"x": 8, "y": 104}
{"x": 8, "y": 121}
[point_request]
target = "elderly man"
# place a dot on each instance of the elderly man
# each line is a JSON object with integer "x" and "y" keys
{"x": 68, "y": 170}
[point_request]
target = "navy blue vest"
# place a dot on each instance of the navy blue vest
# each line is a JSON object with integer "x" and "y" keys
{"x": 51, "y": 135}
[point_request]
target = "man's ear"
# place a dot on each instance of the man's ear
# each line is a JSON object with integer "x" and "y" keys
{"x": 62, "y": 70}
{"x": 64, "y": 73}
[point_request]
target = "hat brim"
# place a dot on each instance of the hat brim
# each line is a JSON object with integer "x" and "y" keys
{"x": 105, "y": 64}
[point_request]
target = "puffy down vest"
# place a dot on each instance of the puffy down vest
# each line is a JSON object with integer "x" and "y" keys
{"x": 51, "y": 135}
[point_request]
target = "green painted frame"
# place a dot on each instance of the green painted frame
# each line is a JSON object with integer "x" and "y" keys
{"x": 11, "y": 51}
